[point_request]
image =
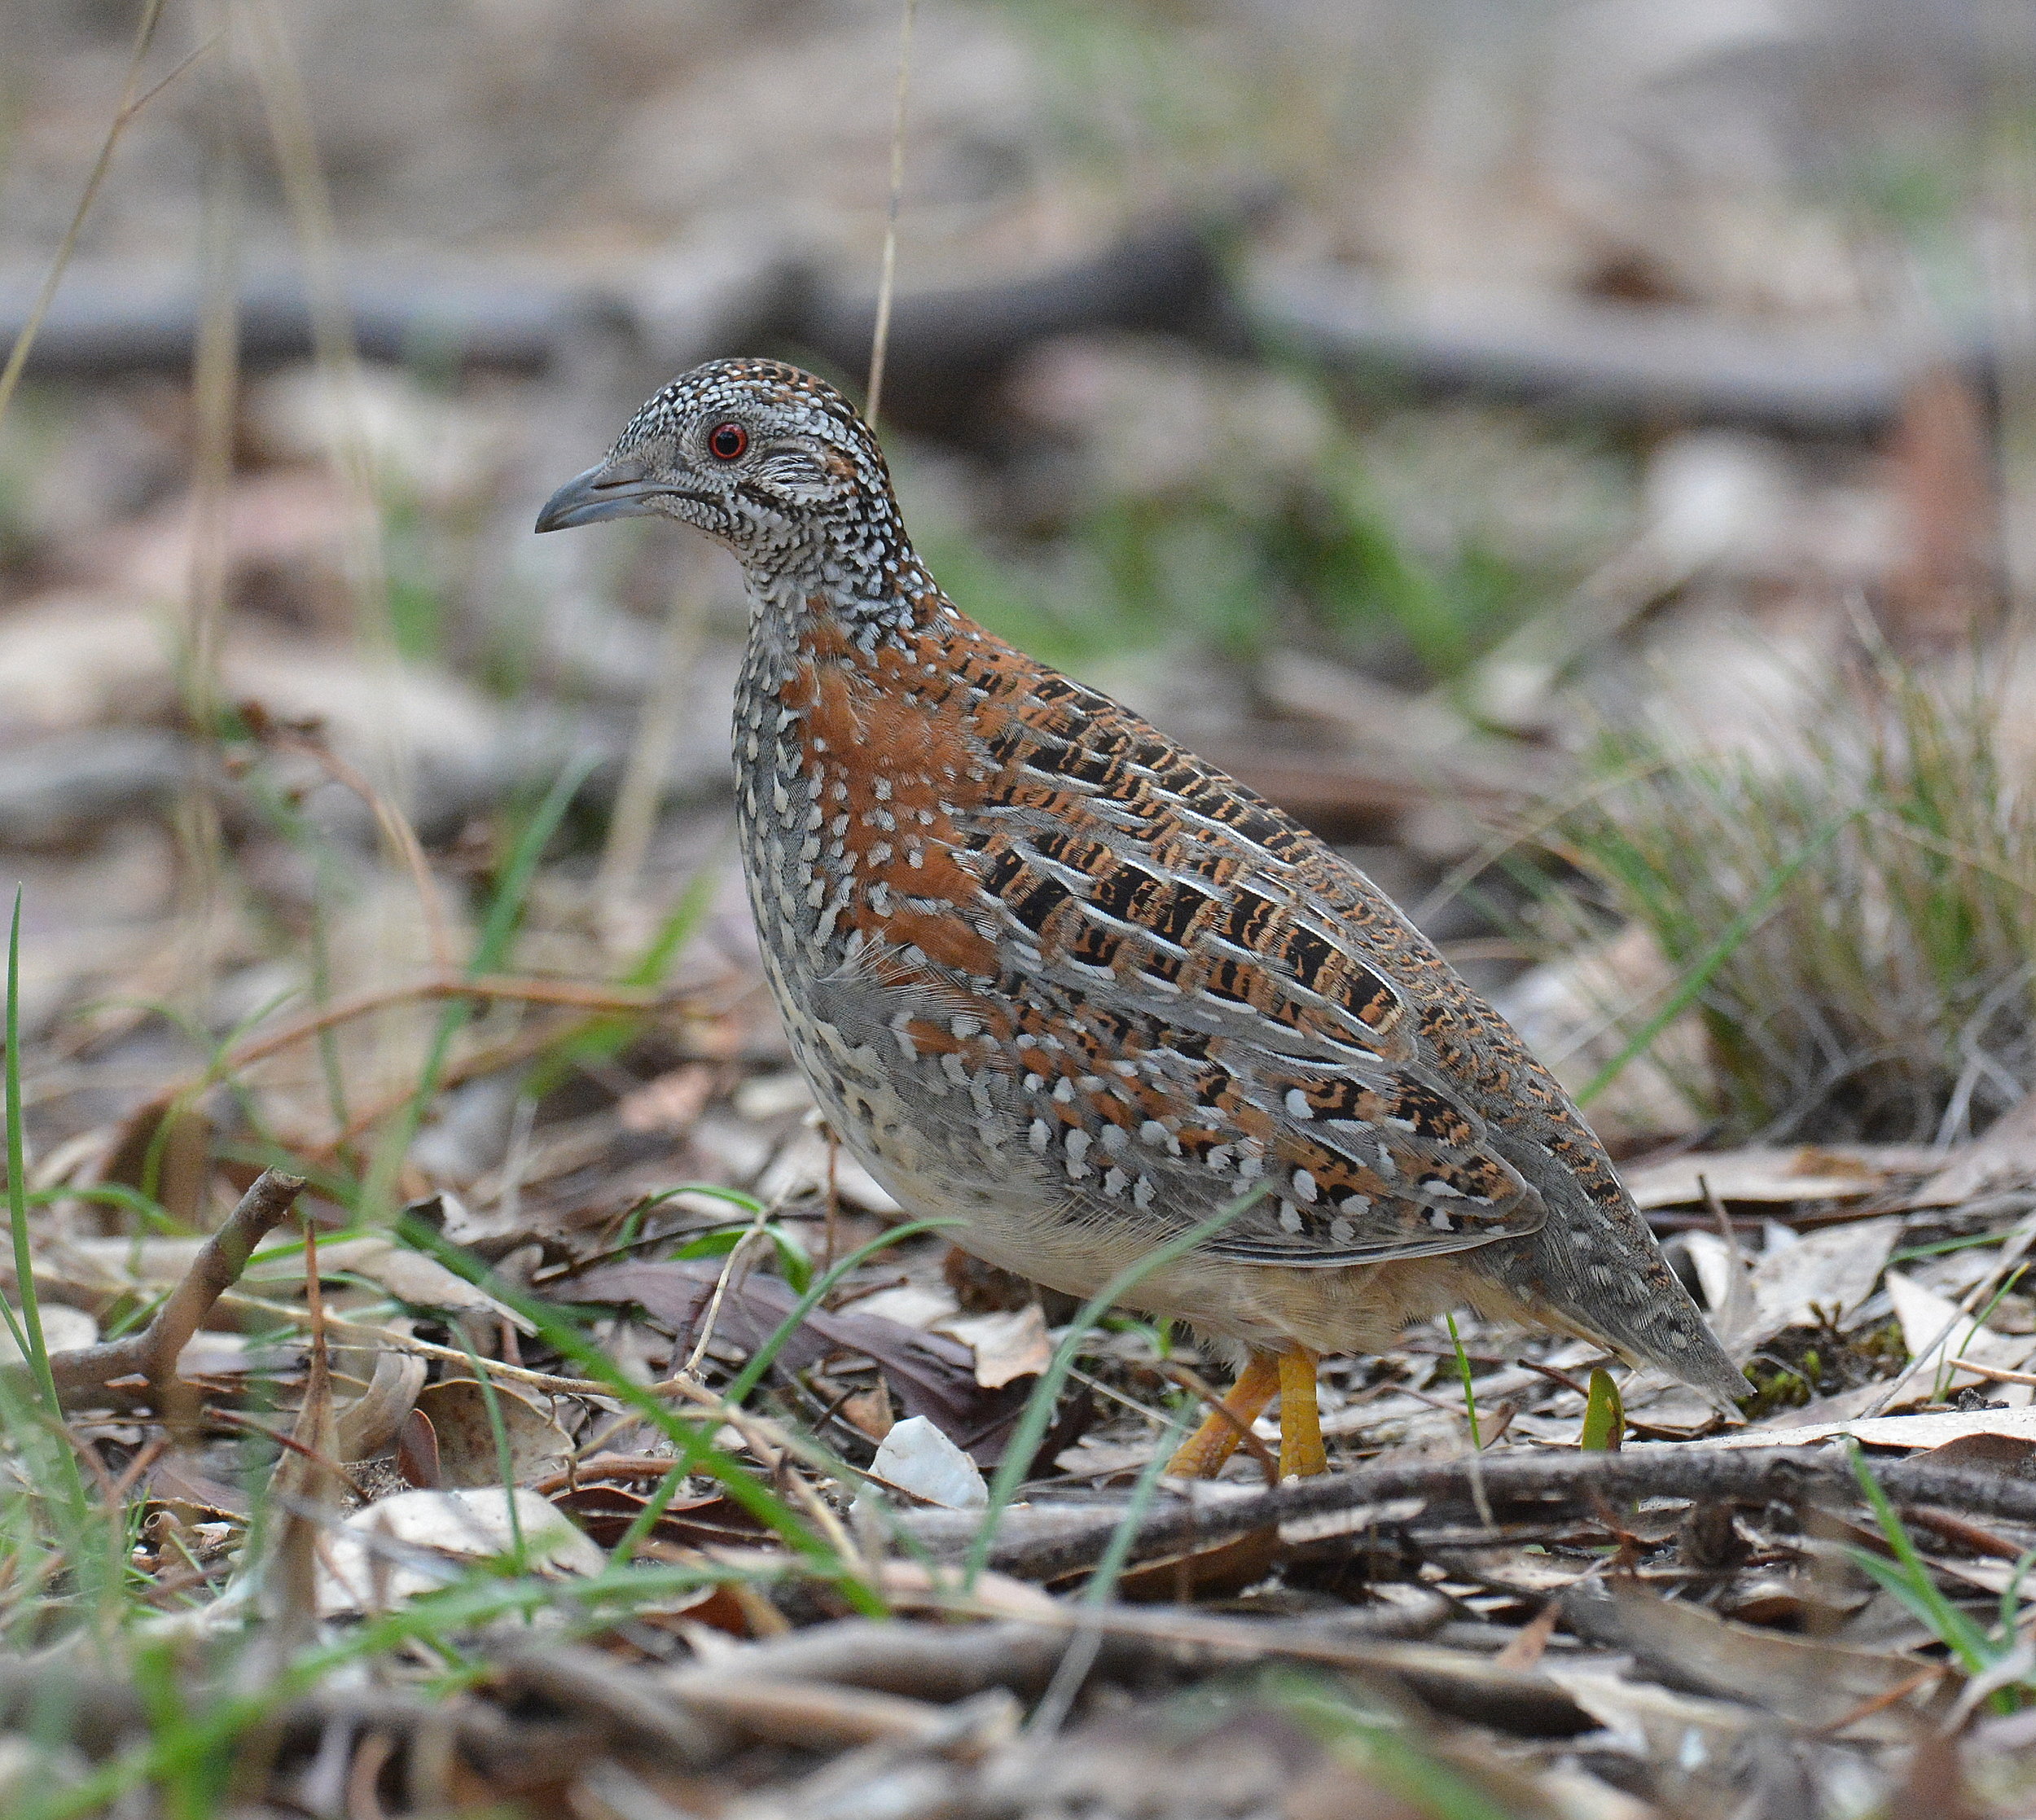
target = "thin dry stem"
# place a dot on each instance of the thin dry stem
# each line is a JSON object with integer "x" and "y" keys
{"x": 133, "y": 100}
{"x": 394, "y": 824}
{"x": 887, "y": 280}
{"x": 601, "y": 1000}
{"x": 634, "y": 819}
{"x": 152, "y": 1354}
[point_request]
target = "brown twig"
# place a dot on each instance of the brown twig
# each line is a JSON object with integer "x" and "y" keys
{"x": 1961, "y": 1533}
{"x": 151, "y": 1354}
{"x": 1554, "y": 1377}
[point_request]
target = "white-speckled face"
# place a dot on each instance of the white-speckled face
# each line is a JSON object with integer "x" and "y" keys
{"x": 762, "y": 457}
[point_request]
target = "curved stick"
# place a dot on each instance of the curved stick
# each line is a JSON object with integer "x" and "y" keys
{"x": 83, "y": 1374}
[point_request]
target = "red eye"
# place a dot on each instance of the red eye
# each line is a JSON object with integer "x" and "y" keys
{"x": 727, "y": 441}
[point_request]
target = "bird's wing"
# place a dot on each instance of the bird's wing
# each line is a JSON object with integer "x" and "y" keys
{"x": 1189, "y": 1022}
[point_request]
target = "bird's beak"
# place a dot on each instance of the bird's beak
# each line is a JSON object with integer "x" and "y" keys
{"x": 614, "y": 489}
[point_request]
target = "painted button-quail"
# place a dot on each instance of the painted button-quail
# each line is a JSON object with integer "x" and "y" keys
{"x": 1051, "y": 973}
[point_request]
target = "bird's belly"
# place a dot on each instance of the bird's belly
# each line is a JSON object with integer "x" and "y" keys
{"x": 1358, "y": 1309}
{"x": 945, "y": 1144}
{"x": 950, "y": 1145}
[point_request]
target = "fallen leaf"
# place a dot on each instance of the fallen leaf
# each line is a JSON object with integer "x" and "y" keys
{"x": 458, "y": 1412}
{"x": 416, "y": 1541}
{"x": 911, "y": 1305}
{"x": 1844, "y": 1405}
{"x": 1794, "y": 1678}
{"x": 410, "y": 1276}
{"x": 1931, "y": 1430}
{"x": 1806, "y": 1172}
{"x": 83, "y": 660}
{"x": 2010, "y": 1454}
{"x": 918, "y": 1582}
{"x": 1813, "y": 1601}
{"x": 670, "y": 1103}
{"x": 1652, "y": 1722}
{"x": 64, "y": 1330}
{"x": 606, "y": 1511}
{"x": 1834, "y": 1269}
{"x": 1215, "y": 1570}
{"x": 417, "y": 1452}
{"x": 1007, "y": 1346}
{"x": 1925, "y": 1316}
{"x": 802, "y": 1166}
{"x": 2005, "y": 1157}
{"x": 931, "y": 1374}
{"x": 178, "y": 1481}
{"x": 368, "y": 1422}
{"x": 870, "y": 1412}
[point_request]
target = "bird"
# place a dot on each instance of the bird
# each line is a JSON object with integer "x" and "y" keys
{"x": 1055, "y": 978}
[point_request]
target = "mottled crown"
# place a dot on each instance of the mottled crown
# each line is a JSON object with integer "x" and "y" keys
{"x": 786, "y": 396}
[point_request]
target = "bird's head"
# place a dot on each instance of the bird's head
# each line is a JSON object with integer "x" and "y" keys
{"x": 765, "y": 458}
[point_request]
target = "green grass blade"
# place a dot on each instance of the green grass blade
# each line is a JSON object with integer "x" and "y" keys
{"x": 1699, "y": 976}
{"x": 1910, "y": 1581}
{"x": 1605, "y": 1415}
{"x": 1463, "y": 1373}
{"x": 491, "y": 949}
{"x": 692, "y": 1442}
{"x": 760, "y": 1362}
{"x": 1038, "y": 1411}
{"x": 28, "y": 1333}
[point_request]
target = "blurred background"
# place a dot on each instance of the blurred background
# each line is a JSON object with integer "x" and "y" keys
{"x": 1576, "y": 457}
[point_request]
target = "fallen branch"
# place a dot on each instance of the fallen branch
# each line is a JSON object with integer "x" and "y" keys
{"x": 1661, "y": 361}
{"x": 1043, "y": 1544}
{"x": 83, "y": 1375}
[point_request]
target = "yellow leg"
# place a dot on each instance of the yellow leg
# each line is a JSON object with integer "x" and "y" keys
{"x": 1300, "y": 1450}
{"x": 1202, "y": 1454}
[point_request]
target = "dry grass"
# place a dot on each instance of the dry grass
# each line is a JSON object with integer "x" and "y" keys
{"x": 1850, "y": 911}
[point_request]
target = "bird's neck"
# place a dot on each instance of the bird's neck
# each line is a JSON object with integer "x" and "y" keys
{"x": 856, "y": 597}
